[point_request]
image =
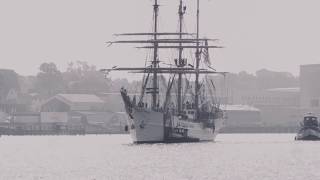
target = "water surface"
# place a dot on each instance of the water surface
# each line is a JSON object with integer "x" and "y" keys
{"x": 231, "y": 157}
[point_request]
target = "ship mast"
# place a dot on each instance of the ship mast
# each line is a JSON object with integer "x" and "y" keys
{"x": 197, "y": 63}
{"x": 180, "y": 61}
{"x": 155, "y": 62}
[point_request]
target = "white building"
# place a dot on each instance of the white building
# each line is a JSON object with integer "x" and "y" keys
{"x": 310, "y": 86}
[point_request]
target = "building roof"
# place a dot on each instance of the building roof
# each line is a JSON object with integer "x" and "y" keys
{"x": 310, "y": 65}
{"x": 286, "y": 90}
{"x": 77, "y": 102}
{"x": 80, "y": 98}
{"x": 239, "y": 107}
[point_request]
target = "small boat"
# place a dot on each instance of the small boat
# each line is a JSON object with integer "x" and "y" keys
{"x": 309, "y": 128}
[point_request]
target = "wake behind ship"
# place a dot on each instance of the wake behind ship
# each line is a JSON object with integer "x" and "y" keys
{"x": 177, "y": 102}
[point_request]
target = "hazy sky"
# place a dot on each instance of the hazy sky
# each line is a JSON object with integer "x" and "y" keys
{"x": 275, "y": 34}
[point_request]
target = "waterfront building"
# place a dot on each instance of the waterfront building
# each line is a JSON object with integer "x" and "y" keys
{"x": 86, "y": 113}
{"x": 310, "y": 86}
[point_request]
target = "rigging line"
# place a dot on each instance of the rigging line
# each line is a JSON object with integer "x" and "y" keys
{"x": 167, "y": 97}
{"x": 176, "y": 90}
{"x": 191, "y": 54}
{"x": 145, "y": 79}
{"x": 192, "y": 58}
{"x": 187, "y": 88}
{"x": 213, "y": 91}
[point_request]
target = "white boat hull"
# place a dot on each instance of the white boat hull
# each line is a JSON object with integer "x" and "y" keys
{"x": 196, "y": 130}
{"x": 146, "y": 126}
{"x": 308, "y": 134}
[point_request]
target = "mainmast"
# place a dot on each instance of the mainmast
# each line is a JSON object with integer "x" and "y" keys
{"x": 197, "y": 63}
{"x": 155, "y": 62}
{"x": 180, "y": 62}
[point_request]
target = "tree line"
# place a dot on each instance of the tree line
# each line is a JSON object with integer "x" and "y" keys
{"x": 81, "y": 77}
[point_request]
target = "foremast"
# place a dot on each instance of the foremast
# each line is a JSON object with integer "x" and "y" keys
{"x": 155, "y": 62}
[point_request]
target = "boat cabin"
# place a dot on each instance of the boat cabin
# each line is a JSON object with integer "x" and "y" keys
{"x": 310, "y": 121}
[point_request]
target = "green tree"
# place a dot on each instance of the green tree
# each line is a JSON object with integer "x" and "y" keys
{"x": 8, "y": 81}
{"x": 49, "y": 80}
{"x": 81, "y": 77}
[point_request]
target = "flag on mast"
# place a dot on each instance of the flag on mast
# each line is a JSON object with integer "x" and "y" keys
{"x": 206, "y": 54}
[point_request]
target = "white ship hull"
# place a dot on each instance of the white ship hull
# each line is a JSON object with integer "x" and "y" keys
{"x": 198, "y": 131}
{"x": 147, "y": 126}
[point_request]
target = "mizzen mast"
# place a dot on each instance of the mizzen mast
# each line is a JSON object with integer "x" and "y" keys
{"x": 180, "y": 62}
{"x": 197, "y": 86}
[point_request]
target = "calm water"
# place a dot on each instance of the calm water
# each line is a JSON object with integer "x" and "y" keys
{"x": 234, "y": 157}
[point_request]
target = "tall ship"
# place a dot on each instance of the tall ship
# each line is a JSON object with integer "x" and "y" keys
{"x": 177, "y": 101}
